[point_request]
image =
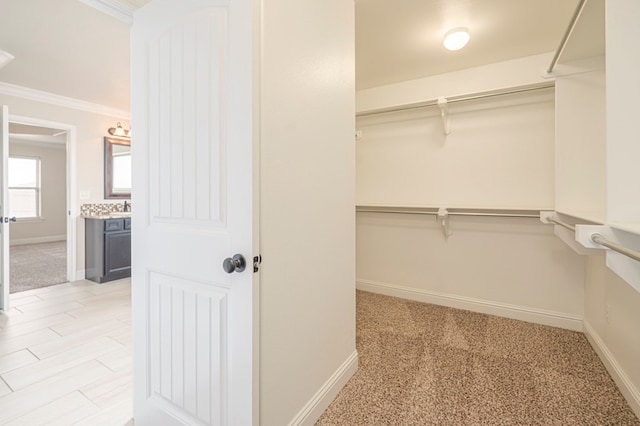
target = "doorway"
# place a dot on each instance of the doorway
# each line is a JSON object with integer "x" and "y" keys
{"x": 42, "y": 250}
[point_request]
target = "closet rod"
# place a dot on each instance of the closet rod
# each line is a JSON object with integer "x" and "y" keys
{"x": 599, "y": 239}
{"x": 567, "y": 33}
{"x": 453, "y": 212}
{"x": 460, "y": 98}
{"x": 564, "y": 225}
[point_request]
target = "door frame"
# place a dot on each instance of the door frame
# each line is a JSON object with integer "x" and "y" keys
{"x": 70, "y": 183}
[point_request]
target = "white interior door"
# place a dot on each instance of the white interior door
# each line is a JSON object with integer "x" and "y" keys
{"x": 4, "y": 208}
{"x": 195, "y": 334}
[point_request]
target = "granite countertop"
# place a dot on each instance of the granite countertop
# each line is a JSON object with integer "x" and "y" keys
{"x": 112, "y": 215}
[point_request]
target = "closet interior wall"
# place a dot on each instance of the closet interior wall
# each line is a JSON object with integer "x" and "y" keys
{"x": 597, "y": 176}
{"x": 499, "y": 155}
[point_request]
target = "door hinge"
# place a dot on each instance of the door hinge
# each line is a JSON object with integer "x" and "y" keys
{"x": 257, "y": 260}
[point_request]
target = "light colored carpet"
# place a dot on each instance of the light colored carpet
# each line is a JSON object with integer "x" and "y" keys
{"x": 37, "y": 265}
{"x": 424, "y": 364}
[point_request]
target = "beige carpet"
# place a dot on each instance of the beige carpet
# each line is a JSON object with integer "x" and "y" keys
{"x": 423, "y": 364}
{"x": 37, "y": 265}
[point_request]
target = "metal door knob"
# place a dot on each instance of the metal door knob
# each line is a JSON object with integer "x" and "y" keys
{"x": 7, "y": 219}
{"x": 235, "y": 264}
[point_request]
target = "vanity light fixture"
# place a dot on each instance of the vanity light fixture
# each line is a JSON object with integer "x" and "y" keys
{"x": 119, "y": 131}
{"x": 456, "y": 38}
{"x": 5, "y": 58}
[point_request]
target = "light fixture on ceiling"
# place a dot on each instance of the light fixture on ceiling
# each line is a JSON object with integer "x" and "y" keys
{"x": 456, "y": 38}
{"x": 119, "y": 131}
{"x": 5, "y": 58}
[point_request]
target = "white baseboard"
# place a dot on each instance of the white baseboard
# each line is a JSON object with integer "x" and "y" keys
{"x": 628, "y": 390}
{"x": 523, "y": 313}
{"x": 312, "y": 411}
{"x": 38, "y": 240}
{"x": 80, "y": 275}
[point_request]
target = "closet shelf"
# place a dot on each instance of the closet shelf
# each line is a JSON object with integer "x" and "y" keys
{"x": 457, "y": 98}
{"x": 450, "y": 211}
{"x": 583, "y": 216}
{"x": 631, "y": 227}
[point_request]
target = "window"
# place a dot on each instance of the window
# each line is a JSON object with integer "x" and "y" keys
{"x": 24, "y": 187}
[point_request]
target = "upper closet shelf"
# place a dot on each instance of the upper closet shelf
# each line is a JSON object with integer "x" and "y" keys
{"x": 584, "y": 37}
{"x": 445, "y": 100}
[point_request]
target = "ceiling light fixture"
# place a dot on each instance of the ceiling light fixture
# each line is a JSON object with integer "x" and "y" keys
{"x": 456, "y": 38}
{"x": 119, "y": 131}
{"x": 5, "y": 58}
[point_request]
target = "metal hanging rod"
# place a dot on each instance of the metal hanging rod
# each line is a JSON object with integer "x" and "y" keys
{"x": 459, "y": 98}
{"x": 567, "y": 34}
{"x": 452, "y": 211}
{"x": 599, "y": 239}
{"x": 564, "y": 225}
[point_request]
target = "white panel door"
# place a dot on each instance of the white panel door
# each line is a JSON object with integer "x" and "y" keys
{"x": 195, "y": 333}
{"x": 4, "y": 208}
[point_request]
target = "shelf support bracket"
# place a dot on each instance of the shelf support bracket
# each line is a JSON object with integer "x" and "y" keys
{"x": 443, "y": 219}
{"x": 444, "y": 114}
{"x": 626, "y": 267}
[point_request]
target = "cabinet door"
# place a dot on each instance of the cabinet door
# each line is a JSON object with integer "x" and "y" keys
{"x": 117, "y": 254}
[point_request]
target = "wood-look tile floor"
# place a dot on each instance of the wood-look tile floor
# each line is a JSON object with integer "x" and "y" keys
{"x": 66, "y": 355}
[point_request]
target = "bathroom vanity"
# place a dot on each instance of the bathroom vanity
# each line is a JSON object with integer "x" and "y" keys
{"x": 107, "y": 247}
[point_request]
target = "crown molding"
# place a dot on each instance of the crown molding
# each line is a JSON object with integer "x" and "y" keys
{"x": 114, "y": 8}
{"x": 62, "y": 101}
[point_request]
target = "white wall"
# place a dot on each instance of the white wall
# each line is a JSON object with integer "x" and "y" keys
{"x": 612, "y": 306}
{"x": 512, "y": 267}
{"x": 580, "y": 149}
{"x": 90, "y": 131}
{"x": 499, "y": 154}
{"x": 53, "y": 200}
{"x": 611, "y": 321}
{"x": 517, "y": 72}
{"x": 623, "y": 92}
{"x": 307, "y": 179}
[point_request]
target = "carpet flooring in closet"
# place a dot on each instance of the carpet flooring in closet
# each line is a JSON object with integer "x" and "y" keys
{"x": 423, "y": 364}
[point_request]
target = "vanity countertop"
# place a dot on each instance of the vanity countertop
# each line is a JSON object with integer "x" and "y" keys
{"x": 113, "y": 215}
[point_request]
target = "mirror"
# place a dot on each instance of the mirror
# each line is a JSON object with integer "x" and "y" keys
{"x": 117, "y": 168}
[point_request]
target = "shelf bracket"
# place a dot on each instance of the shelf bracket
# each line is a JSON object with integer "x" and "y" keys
{"x": 566, "y": 235}
{"x": 443, "y": 219}
{"x": 626, "y": 267}
{"x": 444, "y": 114}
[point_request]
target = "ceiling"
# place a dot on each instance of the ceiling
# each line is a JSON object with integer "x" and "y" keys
{"x": 69, "y": 48}
{"x": 399, "y": 40}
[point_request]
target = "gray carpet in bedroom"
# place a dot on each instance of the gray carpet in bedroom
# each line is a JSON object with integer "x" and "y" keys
{"x": 37, "y": 265}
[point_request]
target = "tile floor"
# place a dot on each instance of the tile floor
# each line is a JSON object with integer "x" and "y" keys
{"x": 66, "y": 356}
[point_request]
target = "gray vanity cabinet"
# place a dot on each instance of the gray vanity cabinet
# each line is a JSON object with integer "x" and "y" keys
{"x": 107, "y": 249}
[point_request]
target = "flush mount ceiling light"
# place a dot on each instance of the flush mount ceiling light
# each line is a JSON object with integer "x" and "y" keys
{"x": 119, "y": 131}
{"x": 456, "y": 38}
{"x": 5, "y": 58}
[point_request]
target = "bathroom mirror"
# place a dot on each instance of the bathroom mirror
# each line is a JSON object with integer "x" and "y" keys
{"x": 117, "y": 168}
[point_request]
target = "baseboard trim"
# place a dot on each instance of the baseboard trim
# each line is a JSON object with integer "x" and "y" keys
{"x": 523, "y": 313}
{"x": 38, "y": 240}
{"x": 312, "y": 411}
{"x": 80, "y": 275}
{"x": 628, "y": 390}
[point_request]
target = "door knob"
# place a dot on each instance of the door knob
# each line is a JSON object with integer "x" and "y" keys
{"x": 234, "y": 264}
{"x": 7, "y": 219}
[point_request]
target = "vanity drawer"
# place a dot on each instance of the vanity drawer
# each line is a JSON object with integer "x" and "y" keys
{"x": 113, "y": 225}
